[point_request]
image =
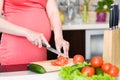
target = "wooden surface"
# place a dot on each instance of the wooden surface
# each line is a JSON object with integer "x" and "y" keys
{"x": 111, "y": 48}
{"x": 49, "y": 67}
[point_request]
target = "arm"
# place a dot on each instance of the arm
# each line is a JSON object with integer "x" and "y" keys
{"x": 54, "y": 17}
{"x": 9, "y": 28}
{"x": 53, "y": 14}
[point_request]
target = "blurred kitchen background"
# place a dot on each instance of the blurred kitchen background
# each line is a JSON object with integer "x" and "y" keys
{"x": 85, "y": 11}
{"x": 84, "y": 22}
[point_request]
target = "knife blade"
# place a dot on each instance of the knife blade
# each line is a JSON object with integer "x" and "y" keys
{"x": 54, "y": 50}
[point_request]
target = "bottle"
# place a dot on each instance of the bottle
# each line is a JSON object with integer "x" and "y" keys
{"x": 85, "y": 12}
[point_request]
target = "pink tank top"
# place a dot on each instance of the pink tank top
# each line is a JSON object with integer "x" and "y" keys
{"x": 30, "y": 14}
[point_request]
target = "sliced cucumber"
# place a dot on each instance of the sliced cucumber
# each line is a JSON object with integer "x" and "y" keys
{"x": 36, "y": 68}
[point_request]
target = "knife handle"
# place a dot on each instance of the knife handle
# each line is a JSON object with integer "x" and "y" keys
{"x": 111, "y": 19}
{"x": 43, "y": 44}
{"x": 116, "y": 15}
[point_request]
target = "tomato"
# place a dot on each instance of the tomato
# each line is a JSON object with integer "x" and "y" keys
{"x": 60, "y": 57}
{"x": 114, "y": 71}
{"x": 106, "y": 67}
{"x": 96, "y": 61}
{"x": 88, "y": 70}
{"x": 78, "y": 58}
{"x": 60, "y": 61}
{"x": 54, "y": 63}
{"x": 57, "y": 63}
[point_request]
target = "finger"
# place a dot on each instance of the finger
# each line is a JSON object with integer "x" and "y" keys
{"x": 45, "y": 41}
{"x": 66, "y": 48}
{"x": 39, "y": 43}
{"x": 58, "y": 47}
{"x": 65, "y": 51}
{"x": 36, "y": 42}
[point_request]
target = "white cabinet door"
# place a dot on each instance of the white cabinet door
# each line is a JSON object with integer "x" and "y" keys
{"x": 93, "y": 43}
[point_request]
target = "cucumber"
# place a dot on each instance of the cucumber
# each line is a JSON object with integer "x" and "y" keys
{"x": 36, "y": 68}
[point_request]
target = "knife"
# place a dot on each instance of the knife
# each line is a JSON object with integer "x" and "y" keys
{"x": 112, "y": 16}
{"x": 116, "y": 15}
{"x": 54, "y": 50}
{"x": 111, "y": 19}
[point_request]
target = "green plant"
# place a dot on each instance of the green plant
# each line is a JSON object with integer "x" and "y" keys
{"x": 104, "y": 5}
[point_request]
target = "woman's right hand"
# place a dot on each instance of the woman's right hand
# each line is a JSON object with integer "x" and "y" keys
{"x": 37, "y": 38}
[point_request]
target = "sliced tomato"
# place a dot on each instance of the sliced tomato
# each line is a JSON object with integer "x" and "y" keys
{"x": 60, "y": 61}
{"x": 54, "y": 63}
{"x": 60, "y": 57}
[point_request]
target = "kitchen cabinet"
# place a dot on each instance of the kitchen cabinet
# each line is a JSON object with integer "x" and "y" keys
{"x": 94, "y": 43}
{"x": 76, "y": 39}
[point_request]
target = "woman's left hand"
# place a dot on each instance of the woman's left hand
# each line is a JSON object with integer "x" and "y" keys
{"x": 61, "y": 43}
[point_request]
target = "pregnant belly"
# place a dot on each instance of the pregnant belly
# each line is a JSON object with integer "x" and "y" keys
{"x": 33, "y": 19}
{"x": 36, "y": 20}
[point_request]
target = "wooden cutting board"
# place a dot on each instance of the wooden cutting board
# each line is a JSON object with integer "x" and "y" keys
{"x": 49, "y": 67}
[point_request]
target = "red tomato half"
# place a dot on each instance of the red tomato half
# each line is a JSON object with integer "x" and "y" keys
{"x": 106, "y": 67}
{"x": 114, "y": 71}
{"x": 96, "y": 61}
{"x": 88, "y": 70}
{"x": 78, "y": 58}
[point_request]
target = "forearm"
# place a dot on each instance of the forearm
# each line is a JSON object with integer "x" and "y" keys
{"x": 54, "y": 17}
{"x": 56, "y": 24}
{"x": 7, "y": 27}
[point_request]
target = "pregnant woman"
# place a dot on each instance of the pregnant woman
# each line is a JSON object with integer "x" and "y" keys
{"x": 25, "y": 26}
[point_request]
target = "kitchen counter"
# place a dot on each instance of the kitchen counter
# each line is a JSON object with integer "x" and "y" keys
{"x": 28, "y": 75}
{"x": 85, "y": 26}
